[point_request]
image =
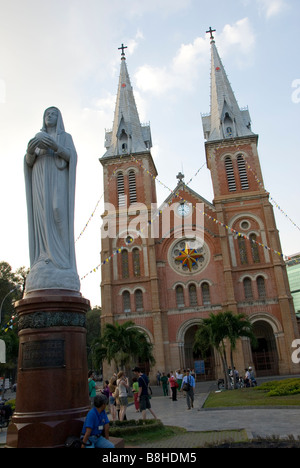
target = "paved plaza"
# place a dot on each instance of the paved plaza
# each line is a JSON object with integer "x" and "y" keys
{"x": 214, "y": 425}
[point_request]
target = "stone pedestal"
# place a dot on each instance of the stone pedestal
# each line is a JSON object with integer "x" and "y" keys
{"x": 52, "y": 389}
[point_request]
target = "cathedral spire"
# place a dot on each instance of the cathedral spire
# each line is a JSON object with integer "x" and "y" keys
{"x": 127, "y": 136}
{"x": 226, "y": 119}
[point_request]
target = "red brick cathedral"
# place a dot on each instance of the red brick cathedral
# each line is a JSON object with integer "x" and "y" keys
{"x": 211, "y": 257}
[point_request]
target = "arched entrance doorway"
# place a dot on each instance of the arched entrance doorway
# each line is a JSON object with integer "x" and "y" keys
{"x": 204, "y": 367}
{"x": 265, "y": 356}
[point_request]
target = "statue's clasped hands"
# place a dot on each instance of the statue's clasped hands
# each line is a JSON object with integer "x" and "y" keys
{"x": 42, "y": 141}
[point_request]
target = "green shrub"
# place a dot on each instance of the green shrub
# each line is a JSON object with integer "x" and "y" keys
{"x": 281, "y": 387}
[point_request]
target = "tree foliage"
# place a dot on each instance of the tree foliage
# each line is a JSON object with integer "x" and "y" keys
{"x": 124, "y": 343}
{"x": 219, "y": 328}
{"x": 12, "y": 285}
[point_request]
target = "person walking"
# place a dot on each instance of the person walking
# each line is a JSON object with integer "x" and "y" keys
{"x": 173, "y": 385}
{"x": 143, "y": 396}
{"x": 135, "y": 390}
{"x": 188, "y": 386}
{"x": 164, "y": 381}
{"x": 92, "y": 387}
{"x": 179, "y": 377}
{"x": 112, "y": 400}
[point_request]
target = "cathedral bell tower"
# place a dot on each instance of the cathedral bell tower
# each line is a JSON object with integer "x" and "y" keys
{"x": 254, "y": 276}
{"x": 129, "y": 286}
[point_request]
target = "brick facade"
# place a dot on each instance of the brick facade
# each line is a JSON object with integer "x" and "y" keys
{"x": 238, "y": 269}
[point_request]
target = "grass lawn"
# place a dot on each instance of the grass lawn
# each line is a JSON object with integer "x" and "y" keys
{"x": 151, "y": 436}
{"x": 249, "y": 397}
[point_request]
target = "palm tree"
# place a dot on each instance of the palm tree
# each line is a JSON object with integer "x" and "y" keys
{"x": 215, "y": 330}
{"x": 238, "y": 326}
{"x": 123, "y": 343}
{"x": 212, "y": 333}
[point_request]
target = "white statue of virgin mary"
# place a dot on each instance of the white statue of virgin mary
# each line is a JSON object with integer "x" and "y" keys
{"x": 50, "y": 172}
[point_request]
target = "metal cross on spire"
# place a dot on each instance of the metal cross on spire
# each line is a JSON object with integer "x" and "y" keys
{"x": 123, "y": 53}
{"x": 211, "y": 31}
{"x": 180, "y": 177}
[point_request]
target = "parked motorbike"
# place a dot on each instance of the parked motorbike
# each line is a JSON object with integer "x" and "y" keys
{"x": 5, "y": 414}
{"x": 239, "y": 383}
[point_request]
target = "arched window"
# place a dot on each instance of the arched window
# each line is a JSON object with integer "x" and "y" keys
{"x": 193, "y": 295}
{"x": 126, "y": 302}
{"x": 179, "y": 296}
{"x": 125, "y": 269}
{"x": 248, "y": 288}
{"x": 243, "y": 172}
{"x": 230, "y": 174}
{"x": 136, "y": 262}
{"x": 254, "y": 248}
{"x": 121, "y": 189}
{"x": 205, "y": 293}
{"x": 260, "y": 281}
{"x": 138, "y": 295}
{"x": 242, "y": 250}
{"x": 132, "y": 187}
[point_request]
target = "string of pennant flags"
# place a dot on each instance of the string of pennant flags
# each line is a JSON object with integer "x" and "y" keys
{"x": 10, "y": 324}
{"x": 262, "y": 186}
{"x": 177, "y": 196}
{"x": 97, "y": 204}
{"x": 234, "y": 231}
{"x": 159, "y": 212}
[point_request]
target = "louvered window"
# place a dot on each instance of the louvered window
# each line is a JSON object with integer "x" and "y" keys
{"x": 132, "y": 187}
{"x": 248, "y": 288}
{"x": 136, "y": 262}
{"x": 193, "y": 295}
{"x": 126, "y": 302}
{"x": 261, "y": 287}
{"x": 254, "y": 248}
{"x": 139, "y": 300}
{"x": 230, "y": 174}
{"x": 242, "y": 172}
{"x": 125, "y": 269}
{"x": 179, "y": 296}
{"x": 121, "y": 190}
{"x": 205, "y": 293}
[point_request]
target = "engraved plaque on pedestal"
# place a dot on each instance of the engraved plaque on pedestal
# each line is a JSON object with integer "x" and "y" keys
{"x": 43, "y": 353}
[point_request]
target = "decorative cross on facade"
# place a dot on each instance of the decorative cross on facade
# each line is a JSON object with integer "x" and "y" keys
{"x": 211, "y": 31}
{"x": 180, "y": 177}
{"x": 122, "y": 48}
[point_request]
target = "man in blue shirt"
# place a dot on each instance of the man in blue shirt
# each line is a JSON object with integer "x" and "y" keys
{"x": 95, "y": 429}
{"x": 189, "y": 379}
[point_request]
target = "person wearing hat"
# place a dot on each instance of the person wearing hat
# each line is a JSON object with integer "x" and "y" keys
{"x": 253, "y": 382}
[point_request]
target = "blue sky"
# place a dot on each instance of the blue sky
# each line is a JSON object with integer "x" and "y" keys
{"x": 65, "y": 53}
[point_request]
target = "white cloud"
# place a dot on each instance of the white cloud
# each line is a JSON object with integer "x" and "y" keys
{"x": 239, "y": 35}
{"x": 183, "y": 71}
{"x": 271, "y": 7}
